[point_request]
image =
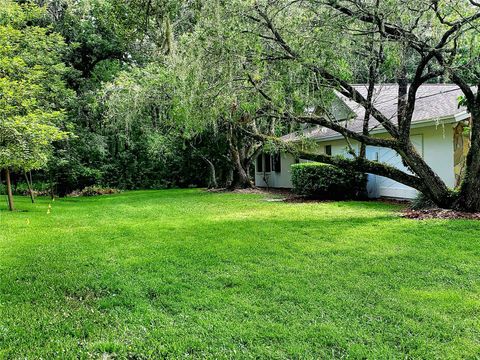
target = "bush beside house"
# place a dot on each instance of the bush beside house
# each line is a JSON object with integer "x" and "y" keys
{"x": 325, "y": 181}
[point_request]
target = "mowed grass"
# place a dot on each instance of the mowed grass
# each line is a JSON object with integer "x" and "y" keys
{"x": 191, "y": 274}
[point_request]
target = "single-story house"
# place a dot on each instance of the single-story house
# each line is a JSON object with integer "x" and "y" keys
{"x": 437, "y": 132}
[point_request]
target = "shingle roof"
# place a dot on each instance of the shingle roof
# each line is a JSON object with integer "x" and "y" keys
{"x": 434, "y": 101}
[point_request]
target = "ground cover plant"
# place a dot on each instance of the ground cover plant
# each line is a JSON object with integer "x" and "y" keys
{"x": 192, "y": 274}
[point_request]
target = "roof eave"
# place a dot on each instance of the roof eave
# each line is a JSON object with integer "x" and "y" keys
{"x": 450, "y": 119}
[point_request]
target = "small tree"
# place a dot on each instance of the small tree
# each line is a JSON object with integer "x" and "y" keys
{"x": 32, "y": 90}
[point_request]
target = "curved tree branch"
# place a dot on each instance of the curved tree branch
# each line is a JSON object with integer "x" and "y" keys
{"x": 367, "y": 166}
{"x": 356, "y": 164}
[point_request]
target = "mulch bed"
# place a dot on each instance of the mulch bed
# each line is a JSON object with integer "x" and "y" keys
{"x": 439, "y": 214}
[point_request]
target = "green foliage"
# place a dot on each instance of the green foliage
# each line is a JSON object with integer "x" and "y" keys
{"x": 95, "y": 191}
{"x": 98, "y": 31}
{"x": 68, "y": 172}
{"x": 32, "y": 87}
{"x": 146, "y": 129}
{"x": 325, "y": 181}
{"x": 221, "y": 58}
{"x": 21, "y": 188}
{"x": 154, "y": 77}
{"x": 130, "y": 123}
{"x": 422, "y": 202}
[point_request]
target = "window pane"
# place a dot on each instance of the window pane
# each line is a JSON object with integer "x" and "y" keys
{"x": 268, "y": 163}
{"x": 260, "y": 163}
{"x": 328, "y": 149}
{"x": 277, "y": 163}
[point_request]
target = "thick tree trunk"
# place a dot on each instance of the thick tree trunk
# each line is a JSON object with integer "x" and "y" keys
{"x": 229, "y": 178}
{"x": 30, "y": 187}
{"x": 240, "y": 176}
{"x": 433, "y": 185}
{"x": 213, "y": 177}
{"x": 425, "y": 181}
{"x": 469, "y": 197}
{"x": 11, "y": 205}
{"x": 368, "y": 111}
{"x": 212, "y": 174}
{"x": 212, "y": 181}
{"x": 247, "y": 163}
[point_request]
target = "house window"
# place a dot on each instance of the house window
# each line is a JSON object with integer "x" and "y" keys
{"x": 260, "y": 163}
{"x": 277, "y": 162}
{"x": 328, "y": 150}
{"x": 268, "y": 162}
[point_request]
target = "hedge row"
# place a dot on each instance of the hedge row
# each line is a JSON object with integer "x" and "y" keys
{"x": 325, "y": 181}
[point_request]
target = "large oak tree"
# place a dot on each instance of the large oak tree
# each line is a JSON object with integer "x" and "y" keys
{"x": 319, "y": 47}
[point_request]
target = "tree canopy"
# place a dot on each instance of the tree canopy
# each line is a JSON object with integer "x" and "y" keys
{"x": 33, "y": 92}
{"x": 172, "y": 93}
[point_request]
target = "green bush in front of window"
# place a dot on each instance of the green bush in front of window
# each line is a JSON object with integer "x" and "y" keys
{"x": 323, "y": 181}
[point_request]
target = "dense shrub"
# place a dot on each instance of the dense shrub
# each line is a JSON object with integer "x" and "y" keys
{"x": 325, "y": 181}
{"x": 423, "y": 202}
{"x": 95, "y": 191}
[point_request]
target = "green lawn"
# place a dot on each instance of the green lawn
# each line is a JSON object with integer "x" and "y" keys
{"x": 185, "y": 273}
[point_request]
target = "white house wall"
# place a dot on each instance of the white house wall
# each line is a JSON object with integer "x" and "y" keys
{"x": 434, "y": 143}
{"x": 438, "y": 151}
{"x": 274, "y": 179}
{"x": 381, "y": 186}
